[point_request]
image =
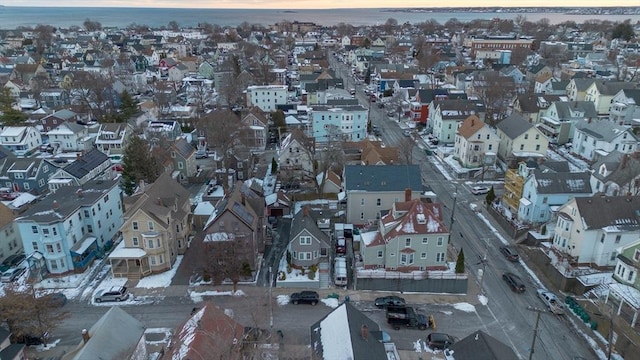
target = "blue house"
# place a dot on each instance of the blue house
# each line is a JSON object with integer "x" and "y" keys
{"x": 72, "y": 226}
{"x": 544, "y": 191}
{"x": 339, "y": 123}
{"x": 25, "y": 174}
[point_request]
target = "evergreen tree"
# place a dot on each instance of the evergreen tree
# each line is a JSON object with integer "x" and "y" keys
{"x": 491, "y": 195}
{"x": 10, "y": 116}
{"x": 460, "y": 263}
{"x": 128, "y": 105}
{"x": 623, "y": 31}
{"x": 138, "y": 164}
{"x": 274, "y": 165}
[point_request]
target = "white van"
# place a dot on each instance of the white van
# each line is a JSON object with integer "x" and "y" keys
{"x": 340, "y": 271}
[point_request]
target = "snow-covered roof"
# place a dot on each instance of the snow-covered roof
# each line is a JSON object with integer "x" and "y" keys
{"x": 204, "y": 208}
{"x": 335, "y": 344}
{"x": 123, "y": 252}
{"x": 368, "y": 237}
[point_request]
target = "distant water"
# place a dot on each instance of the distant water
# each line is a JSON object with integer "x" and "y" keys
{"x": 13, "y": 17}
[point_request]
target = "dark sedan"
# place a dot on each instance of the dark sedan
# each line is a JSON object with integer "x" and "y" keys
{"x": 383, "y": 302}
{"x": 515, "y": 283}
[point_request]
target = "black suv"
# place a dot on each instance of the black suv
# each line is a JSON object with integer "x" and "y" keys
{"x": 383, "y": 302}
{"x": 509, "y": 253}
{"x": 440, "y": 341}
{"x": 307, "y": 297}
{"x": 514, "y": 282}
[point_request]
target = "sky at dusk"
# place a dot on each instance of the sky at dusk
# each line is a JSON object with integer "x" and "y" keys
{"x": 308, "y": 4}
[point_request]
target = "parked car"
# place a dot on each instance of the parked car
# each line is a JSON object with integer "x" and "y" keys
{"x": 12, "y": 274}
{"x": 479, "y": 190}
{"x": 13, "y": 260}
{"x": 509, "y": 253}
{"x": 55, "y": 299}
{"x": 383, "y": 302}
{"x": 440, "y": 341}
{"x": 116, "y": 293}
{"x": 30, "y": 339}
{"x": 514, "y": 282}
{"x": 552, "y": 302}
{"x": 305, "y": 297}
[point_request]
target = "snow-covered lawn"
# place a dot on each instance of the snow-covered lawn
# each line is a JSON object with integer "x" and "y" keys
{"x": 197, "y": 296}
{"x": 160, "y": 280}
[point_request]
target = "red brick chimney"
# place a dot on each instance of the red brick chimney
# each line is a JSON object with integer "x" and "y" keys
{"x": 364, "y": 332}
{"x": 305, "y": 211}
{"x": 407, "y": 194}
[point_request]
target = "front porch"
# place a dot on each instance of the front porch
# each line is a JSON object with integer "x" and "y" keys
{"x": 130, "y": 263}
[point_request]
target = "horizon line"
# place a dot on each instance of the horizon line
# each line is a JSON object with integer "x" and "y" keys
{"x": 331, "y": 8}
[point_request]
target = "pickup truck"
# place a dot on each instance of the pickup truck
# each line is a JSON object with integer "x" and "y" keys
{"x": 398, "y": 316}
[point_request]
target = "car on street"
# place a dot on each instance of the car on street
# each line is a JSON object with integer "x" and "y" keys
{"x": 383, "y": 302}
{"x": 509, "y": 253}
{"x": 515, "y": 283}
{"x": 305, "y": 297}
{"x": 479, "y": 190}
{"x": 55, "y": 299}
{"x": 115, "y": 293}
{"x": 552, "y": 302}
{"x": 12, "y": 274}
{"x": 13, "y": 260}
{"x": 407, "y": 133}
{"x": 440, "y": 341}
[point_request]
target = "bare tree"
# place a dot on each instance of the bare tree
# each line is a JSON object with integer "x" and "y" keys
{"x": 222, "y": 129}
{"x": 228, "y": 260}
{"x": 94, "y": 92}
{"x": 27, "y": 314}
{"x": 405, "y": 150}
{"x": 496, "y": 92}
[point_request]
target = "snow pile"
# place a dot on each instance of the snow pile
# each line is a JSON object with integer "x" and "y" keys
{"x": 283, "y": 300}
{"x": 331, "y": 302}
{"x": 161, "y": 280}
{"x": 483, "y": 300}
{"x": 466, "y": 307}
{"x": 446, "y": 312}
{"x": 197, "y": 296}
{"x": 417, "y": 346}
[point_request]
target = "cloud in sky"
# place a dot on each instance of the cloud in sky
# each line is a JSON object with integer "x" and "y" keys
{"x": 305, "y": 4}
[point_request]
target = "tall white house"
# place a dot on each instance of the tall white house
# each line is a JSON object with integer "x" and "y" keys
{"x": 266, "y": 97}
{"x": 348, "y": 123}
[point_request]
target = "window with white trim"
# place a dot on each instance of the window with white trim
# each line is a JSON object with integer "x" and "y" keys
{"x": 305, "y": 240}
{"x": 440, "y": 241}
{"x": 440, "y": 257}
{"x": 423, "y": 255}
{"x": 380, "y": 253}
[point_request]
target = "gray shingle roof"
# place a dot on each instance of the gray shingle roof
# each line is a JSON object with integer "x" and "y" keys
{"x": 114, "y": 336}
{"x": 67, "y": 201}
{"x": 562, "y": 183}
{"x": 480, "y": 346}
{"x": 382, "y": 177}
{"x": 302, "y": 222}
{"x": 603, "y": 130}
{"x": 601, "y": 211}
{"x": 514, "y": 126}
{"x": 575, "y": 109}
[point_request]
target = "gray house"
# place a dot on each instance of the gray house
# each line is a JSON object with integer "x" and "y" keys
{"x": 371, "y": 189}
{"x": 308, "y": 245}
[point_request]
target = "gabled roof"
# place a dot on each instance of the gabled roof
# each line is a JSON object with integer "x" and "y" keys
{"x": 183, "y": 148}
{"x": 613, "y": 87}
{"x": 619, "y": 212}
{"x": 158, "y": 199}
{"x": 470, "y": 126}
{"x": 480, "y": 346}
{"x": 304, "y": 221}
{"x": 548, "y": 182}
{"x": 87, "y": 162}
{"x": 382, "y": 177}
{"x": 582, "y": 83}
{"x": 633, "y": 94}
{"x": 340, "y": 335}
{"x": 514, "y": 125}
{"x": 210, "y": 332}
{"x": 603, "y": 130}
{"x": 410, "y": 218}
{"x": 114, "y": 336}
{"x": 571, "y": 109}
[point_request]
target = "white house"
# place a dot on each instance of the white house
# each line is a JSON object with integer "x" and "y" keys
{"x": 348, "y": 123}
{"x": 594, "y": 139}
{"x": 476, "y": 144}
{"x": 590, "y": 229}
{"x": 266, "y": 97}
{"x": 20, "y": 140}
{"x": 71, "y": 137}
{"x": 445, "y": 116}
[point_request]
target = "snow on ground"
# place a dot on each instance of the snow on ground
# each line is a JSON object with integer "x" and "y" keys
{"x": 331, "y": 302}
{"x": 483, "y": 300}
{"x": 49, "y": 346}
{"x": 446, "y": 312}
{"x": 473, "y": 206}
{"x": 441, "y": 168}
{"x": 160, "y": 280}
{"x": 463, "y": 306}
{"x": 493, "y": 229}
{"x": 417, "y": 346}
{"x": 197, "y": 296}
{"x": 283, "y": 299}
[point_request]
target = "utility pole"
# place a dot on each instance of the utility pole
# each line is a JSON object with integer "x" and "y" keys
{"x": 535, "y": 328}
{"x": 483, "y": 261}
{"x": 453, "y": 212}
